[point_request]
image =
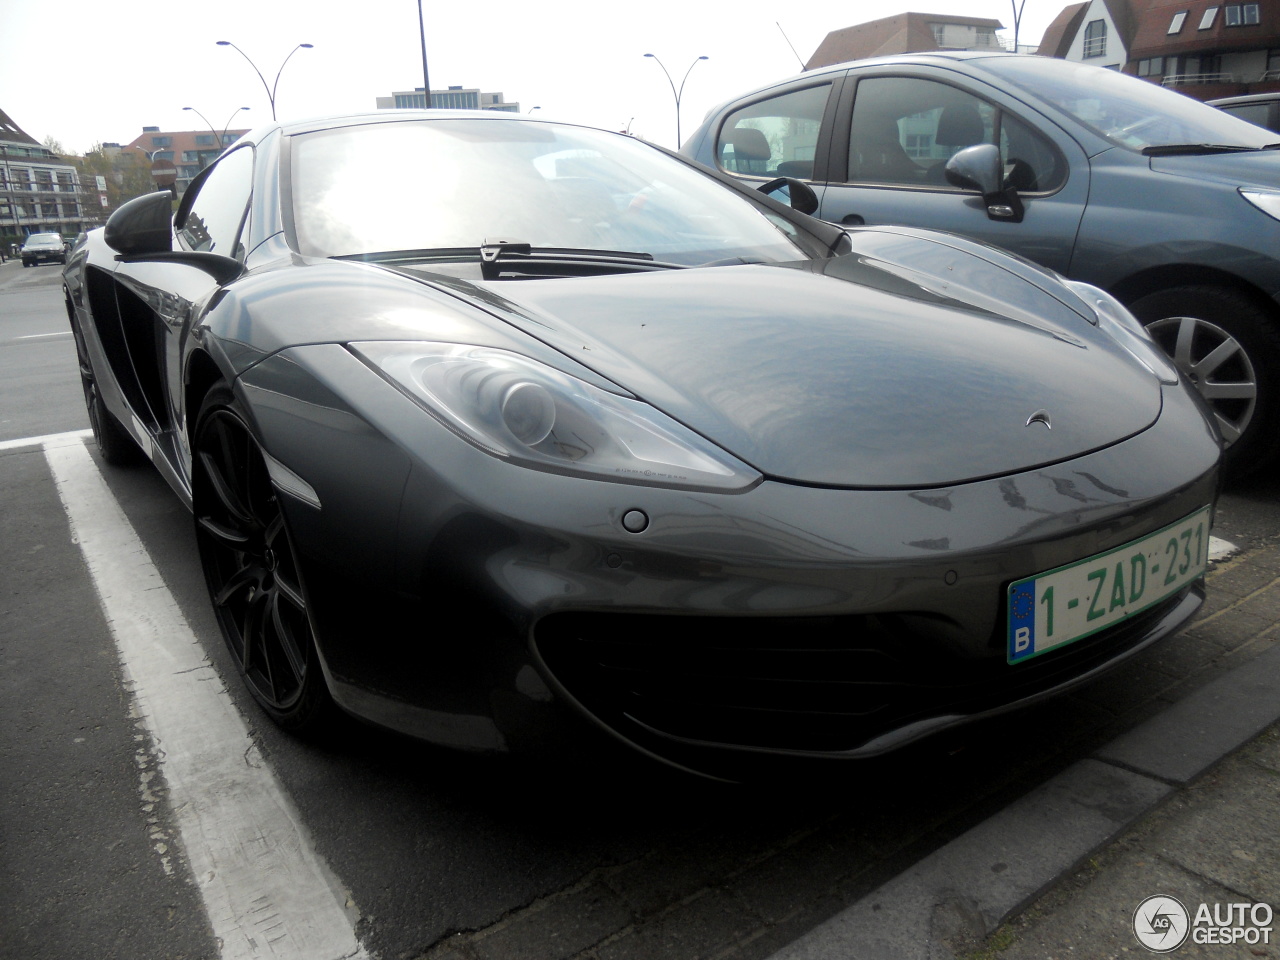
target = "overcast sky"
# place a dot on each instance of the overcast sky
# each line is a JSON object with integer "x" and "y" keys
{"x": 89, "y": 71}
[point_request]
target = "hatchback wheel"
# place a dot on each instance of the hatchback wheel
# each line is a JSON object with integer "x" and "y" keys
{"x": 1227, "y": 347}
{"x": 252, "y": 570}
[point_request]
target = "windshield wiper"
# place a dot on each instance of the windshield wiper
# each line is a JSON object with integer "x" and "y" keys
{"x": 1194, "y": 149}
{"x": 518, "y": 258}
{"x": 562, "y": 261}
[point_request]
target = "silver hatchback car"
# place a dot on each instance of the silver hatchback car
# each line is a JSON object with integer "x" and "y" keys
{"x": 1168, "y": 204}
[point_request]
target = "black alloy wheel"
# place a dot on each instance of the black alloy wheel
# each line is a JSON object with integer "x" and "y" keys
{"x": 252, "y": 570}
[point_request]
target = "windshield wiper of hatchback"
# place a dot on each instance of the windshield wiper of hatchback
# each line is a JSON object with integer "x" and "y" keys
{"x": 1197, "y": 149}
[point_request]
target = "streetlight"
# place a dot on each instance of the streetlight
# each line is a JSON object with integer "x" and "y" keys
{"x": 677, "y": 93}
{"x": 222, "y": 137}
{"x": 271, "y": 90}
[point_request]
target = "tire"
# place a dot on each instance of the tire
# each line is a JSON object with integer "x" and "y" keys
{"x": 1229, "y": 349}
{"x": 252, "y": 569}
{"x": 115, "y": 446}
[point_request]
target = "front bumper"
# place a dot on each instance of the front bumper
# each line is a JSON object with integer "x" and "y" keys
{"x": 470, "y": 602}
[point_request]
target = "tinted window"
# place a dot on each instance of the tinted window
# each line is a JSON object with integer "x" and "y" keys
{"x": 214, "y": 220}
{"x": 775, "y": 137}
{"x": 905, "y": 130}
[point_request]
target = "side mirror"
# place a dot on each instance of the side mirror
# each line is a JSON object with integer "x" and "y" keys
{"x": 141, "y": 231}
{"x": 978, "y": 168}
{"x": 143, "y": 225}
{"x": 790, "y": 190}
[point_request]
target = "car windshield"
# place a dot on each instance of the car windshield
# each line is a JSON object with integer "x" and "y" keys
{"x": 457, "y": 182}
{"x": 1132, "y": 113}
{"x": 44, "y": 240}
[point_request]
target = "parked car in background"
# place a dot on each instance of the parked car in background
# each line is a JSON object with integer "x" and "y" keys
{"x": 589, "y": 437}
{"x": 1260, "y": 108}
{"x": 43, "y": 248}
{"x": 1171, "y": 206}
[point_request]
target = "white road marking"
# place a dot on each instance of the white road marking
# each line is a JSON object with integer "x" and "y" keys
{"x": 44, "y": 336}
{"x": 266, "y": 892}
{"x": 47, "y": 441}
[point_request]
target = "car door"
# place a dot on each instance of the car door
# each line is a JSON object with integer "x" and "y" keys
{"x": 895, "y": 129}
{"x": 158, "y": 300}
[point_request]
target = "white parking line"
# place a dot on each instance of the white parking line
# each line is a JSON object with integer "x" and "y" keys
{"x": 266, "y": 891}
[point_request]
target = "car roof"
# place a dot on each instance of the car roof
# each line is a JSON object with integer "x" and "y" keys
{"x": 1245, "y": 98}
{"x": 897, "y": 59}
{"x": 296, "y": 127}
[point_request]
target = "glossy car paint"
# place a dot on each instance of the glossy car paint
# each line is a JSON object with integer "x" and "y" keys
{"x": 1131, "y": 224}
{"x": 887, "y": 396}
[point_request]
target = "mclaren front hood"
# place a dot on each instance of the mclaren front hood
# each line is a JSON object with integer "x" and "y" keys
{"x": 921, "y": 365}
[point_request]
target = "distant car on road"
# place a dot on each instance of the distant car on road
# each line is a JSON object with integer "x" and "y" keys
{"x": 1171, "y": 206}
{"x": 1260, "y": 108}
{"x": 43, "y": 248}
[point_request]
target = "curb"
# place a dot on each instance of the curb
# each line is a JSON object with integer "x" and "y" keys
{"x": 999, "y": 867}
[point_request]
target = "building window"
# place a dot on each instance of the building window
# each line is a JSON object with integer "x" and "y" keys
{"x": 1175, "y": 25}
{"x": 1095, "y": 39}
{"x": 1210, "y": 15}
{"x": 161, "y": 142}
{"x": 204, "y": 140}
{"x": 162, "y": 155}
{"x": 1241, "y": 15}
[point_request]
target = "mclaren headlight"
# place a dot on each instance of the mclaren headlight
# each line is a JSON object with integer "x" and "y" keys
{"x": 520, "y": 410}
{"x": 1116, "y": 321}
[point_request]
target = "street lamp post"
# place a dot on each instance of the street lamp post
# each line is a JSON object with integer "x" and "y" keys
{"x": 221, "y": 137}
{"x": 674, "y": 92}
{"x": 271, "y": 90}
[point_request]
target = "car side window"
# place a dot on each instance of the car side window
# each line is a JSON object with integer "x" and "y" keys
{"x": 216, "y": 215}
{"x": 775, "y": 137}
{"x": 905, "y": 129}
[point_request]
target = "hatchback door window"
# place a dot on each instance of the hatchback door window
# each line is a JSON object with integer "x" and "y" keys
{"x": 776, "y": 137}
{"x": 905, "y": 129}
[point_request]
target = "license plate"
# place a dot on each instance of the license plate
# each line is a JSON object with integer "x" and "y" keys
{"x": 1070, "y": 603}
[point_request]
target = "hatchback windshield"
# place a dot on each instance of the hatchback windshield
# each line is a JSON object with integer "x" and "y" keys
{"x": 1127, "y": 111}
{"x": 453, "y": 183}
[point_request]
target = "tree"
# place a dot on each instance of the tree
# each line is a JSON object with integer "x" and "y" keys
{"x": 125, "y": 174}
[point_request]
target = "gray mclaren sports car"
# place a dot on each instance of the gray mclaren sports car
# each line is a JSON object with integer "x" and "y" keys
{"x": 494, "y": 428}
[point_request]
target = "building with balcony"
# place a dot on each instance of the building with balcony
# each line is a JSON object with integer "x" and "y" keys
{"x": 1203, "y": 48}
{"x": 39, "y": 191}
{"x": 187, "y": 151}
{"x": 907, "y": 33}
{"x": 452, "y": 98}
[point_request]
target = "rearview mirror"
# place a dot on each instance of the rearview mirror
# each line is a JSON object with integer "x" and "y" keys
{"x": 978, "y": 168}
{"x": 790, "y": 190}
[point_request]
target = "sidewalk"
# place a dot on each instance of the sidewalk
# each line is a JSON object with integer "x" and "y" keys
{"x": 1184, "y": 805}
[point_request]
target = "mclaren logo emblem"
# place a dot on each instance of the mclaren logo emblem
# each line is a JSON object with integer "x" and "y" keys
{"x": 1040, "y": 416}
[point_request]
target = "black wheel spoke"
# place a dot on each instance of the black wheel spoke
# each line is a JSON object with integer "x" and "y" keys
{"x": 288, "y": 642}
{"x": 228, "y": 538}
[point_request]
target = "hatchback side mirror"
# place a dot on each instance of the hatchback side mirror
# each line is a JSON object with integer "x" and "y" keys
{"x": 978, "y": 168}
{"x": 795, "y": 192}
